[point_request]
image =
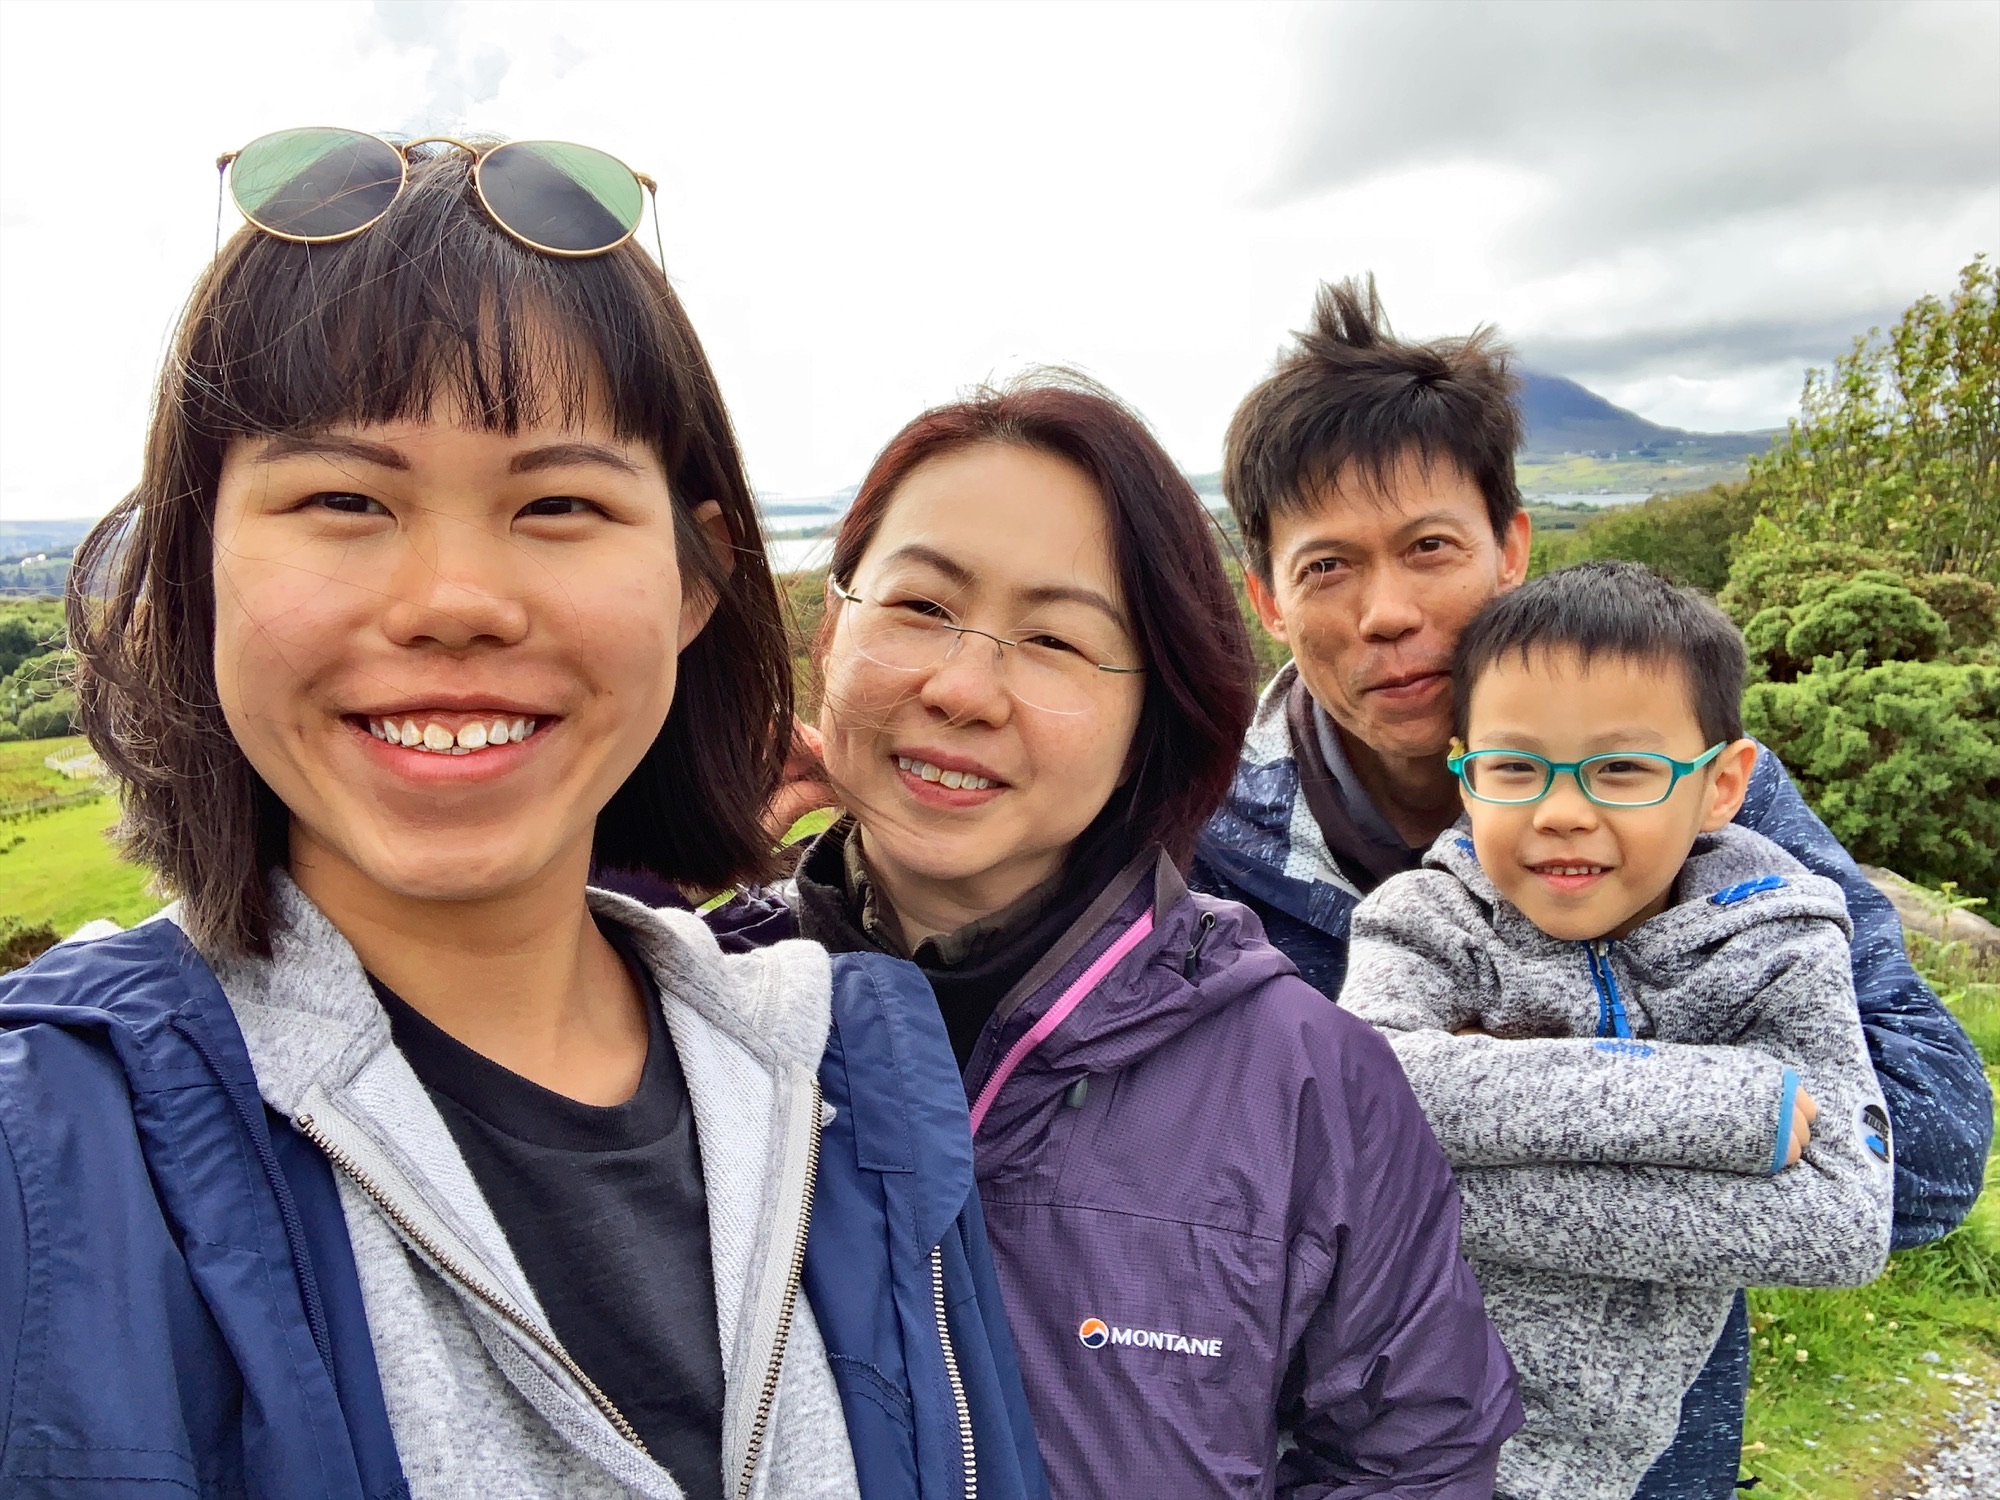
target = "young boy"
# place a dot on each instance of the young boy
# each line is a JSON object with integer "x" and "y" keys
{"x": 1631, "y": 1024}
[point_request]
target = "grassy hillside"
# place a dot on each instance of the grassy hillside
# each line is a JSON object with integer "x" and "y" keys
{"x": 56, "y": 865}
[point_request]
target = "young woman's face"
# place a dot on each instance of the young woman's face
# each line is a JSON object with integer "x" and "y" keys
{"x": 445, "y": 648}
{"x": 1013, "y": 542}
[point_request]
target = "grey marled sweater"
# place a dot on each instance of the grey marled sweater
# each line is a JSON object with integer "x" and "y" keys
{"x": 478, "y": 1408}
{"x": 1619, "y": 1132}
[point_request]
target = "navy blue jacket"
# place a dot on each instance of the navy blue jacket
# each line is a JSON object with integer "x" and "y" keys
{"x": 1939, "y": 1102}
{"x": 179, "y": 1309}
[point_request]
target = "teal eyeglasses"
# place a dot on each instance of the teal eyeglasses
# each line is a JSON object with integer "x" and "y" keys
{"x": 1621, "y": 778}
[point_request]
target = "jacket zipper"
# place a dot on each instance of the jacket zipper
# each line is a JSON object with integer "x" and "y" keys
{"x": 767, "y": 1398}
{"x": 958, "y": 1400}
{"x": 470, "y": 1282}
{"x": 1611, "y": 1019}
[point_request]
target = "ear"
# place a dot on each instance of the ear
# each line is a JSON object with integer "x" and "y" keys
{"x": 1515, "y": 546}
{"x": 1264, "y": 600}
{"x": 1729, "y": 780}
{"x": 698, "y": 603}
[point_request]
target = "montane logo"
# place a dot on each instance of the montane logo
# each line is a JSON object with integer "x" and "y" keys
{"x": 1095, "y": 1333}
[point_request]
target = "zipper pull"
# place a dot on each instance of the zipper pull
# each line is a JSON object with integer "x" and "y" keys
{"x": 1193, "y": 960}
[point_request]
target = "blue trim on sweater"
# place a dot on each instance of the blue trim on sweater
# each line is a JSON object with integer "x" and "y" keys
{"x": 1786, "y": 1099}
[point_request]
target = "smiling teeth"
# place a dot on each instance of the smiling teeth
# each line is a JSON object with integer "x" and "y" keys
{"x": 956, "y": 780}
{"x": 1572, "y": 869}
{"x": 433, "y": 738}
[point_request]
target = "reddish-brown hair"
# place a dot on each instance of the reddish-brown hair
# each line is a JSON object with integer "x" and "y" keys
{"x": 1200, "y": 678}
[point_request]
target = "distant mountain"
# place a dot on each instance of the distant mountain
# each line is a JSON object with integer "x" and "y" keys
{"x": 24, "y": 538}
{"x": 1564, "y": 417}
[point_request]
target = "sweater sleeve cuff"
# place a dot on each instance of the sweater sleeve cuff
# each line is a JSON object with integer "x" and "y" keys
{"x": 1787, "y": 1097}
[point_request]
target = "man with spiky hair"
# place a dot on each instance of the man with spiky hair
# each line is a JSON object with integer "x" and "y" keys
{"x": 1372, "y": 481}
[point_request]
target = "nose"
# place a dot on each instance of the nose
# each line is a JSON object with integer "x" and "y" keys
{"x": 1389, "y": 608}
{"x": 1565, "y": 809}
{"x": 970, "y": 684}
{"x": 456, "y": 586}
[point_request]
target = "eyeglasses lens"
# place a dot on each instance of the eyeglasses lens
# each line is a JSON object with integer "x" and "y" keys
{"x": 568, "y": 199}
{"x": 1506, "y": 778}
{"x": 1628, "y": 780}
{"x": 317, "y": 183}
{"x": 903, "y": 640}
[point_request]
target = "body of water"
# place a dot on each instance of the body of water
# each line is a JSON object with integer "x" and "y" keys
{"x": 1587, "y": 499}
{"x": 799, "y": 554}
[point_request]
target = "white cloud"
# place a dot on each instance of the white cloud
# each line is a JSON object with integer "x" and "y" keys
{"x": 867, "y": 207}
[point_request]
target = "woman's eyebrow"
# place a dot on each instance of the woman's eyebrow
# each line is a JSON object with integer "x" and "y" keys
{"x": 1045, "y": 593}
{"x": 1064, "y": 593}
{"x": 330, "y": 445}
{"x": 569, "y": 455}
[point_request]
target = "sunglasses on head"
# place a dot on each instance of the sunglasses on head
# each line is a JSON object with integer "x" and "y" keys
{"x": 321, "y": 183}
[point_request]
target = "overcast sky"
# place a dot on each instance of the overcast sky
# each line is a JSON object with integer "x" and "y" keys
{"x": 867, "y": 207}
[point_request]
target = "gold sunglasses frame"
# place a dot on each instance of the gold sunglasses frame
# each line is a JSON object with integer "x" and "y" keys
{"x": 479, "y": 154}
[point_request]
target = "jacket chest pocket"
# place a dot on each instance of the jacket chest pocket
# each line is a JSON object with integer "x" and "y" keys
{"x": 1149, "y": 1347}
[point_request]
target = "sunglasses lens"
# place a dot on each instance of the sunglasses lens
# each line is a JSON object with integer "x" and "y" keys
{"x": 568, "y": 199}
{"x": 317, "y": 183}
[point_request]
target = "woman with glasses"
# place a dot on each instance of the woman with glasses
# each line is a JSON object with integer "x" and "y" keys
{"x": 1227, "y": 1241}
{"x": 394, "y": 1161}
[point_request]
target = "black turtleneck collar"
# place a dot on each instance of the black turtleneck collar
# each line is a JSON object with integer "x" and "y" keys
{"x": 971, "y": 969}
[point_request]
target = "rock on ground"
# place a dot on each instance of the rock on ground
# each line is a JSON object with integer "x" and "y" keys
{"x": 1967, "y": 1467}
{"x": 1924, "y": 911}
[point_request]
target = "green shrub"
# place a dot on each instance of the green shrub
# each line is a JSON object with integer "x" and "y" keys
{"x": 1773, "y": 571}
{"x": 49, "y": 718}
{"x": 1901, "y": 760}
{"x": 1970, "y": 606}
{"x": 24, "y": 942}
{"x": 1688, "y": 538}
{"x": 1884, "y": 621}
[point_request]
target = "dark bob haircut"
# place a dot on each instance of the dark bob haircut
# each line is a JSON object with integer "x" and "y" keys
{"x": 1200, "y": 679}
{"x": 1619, "y": 609}
{"x": 1351, "y": 398}
{"x": 433, "y": 312}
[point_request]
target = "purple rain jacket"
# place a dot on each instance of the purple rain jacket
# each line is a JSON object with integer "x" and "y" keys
{"x": 1226, "y": 1238}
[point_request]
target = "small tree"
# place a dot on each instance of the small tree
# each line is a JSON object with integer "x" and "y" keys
{"x": 1902, "y": 760}
{"x": 1898, "y": 446}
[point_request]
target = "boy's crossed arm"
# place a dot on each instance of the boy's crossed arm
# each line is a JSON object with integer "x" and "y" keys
{"x": 1495, "y": 1102}
{"x": 1666, "y": 1162}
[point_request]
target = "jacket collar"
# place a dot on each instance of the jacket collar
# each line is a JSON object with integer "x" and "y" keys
{"x": 320, "y": 1045}
{"x": 1733, "y": 879}
{"x": 1265, "y": 837}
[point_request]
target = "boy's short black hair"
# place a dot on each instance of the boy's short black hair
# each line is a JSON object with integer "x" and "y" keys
{"x": 1611, "y": 609}
{"x": 1350, "y": 399}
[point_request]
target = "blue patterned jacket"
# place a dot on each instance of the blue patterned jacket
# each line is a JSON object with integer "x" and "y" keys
{"x": 1266, "y": 849}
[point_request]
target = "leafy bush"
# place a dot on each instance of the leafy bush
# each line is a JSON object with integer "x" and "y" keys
{"x": 22, "y": 943}
{"x": 1872, "y": 616}
{"x": 49, "y": 718}
{"x": 1687, "y": 537}
{"x": 1772, "y": 570}
{"x": 1900, "y": 441}
{"x": 1883, "y": 620}
{"x": 1901, "y": 760}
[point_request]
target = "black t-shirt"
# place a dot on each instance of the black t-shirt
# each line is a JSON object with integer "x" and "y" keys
{"x": 606, "y": 1212}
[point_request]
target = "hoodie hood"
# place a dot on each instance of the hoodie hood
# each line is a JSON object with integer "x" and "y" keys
{"x": 1732, "y": 881}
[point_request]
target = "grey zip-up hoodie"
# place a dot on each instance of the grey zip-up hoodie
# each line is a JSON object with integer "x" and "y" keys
{"x": 1620, "y": 1130}
{"x": 481, "y": 1397}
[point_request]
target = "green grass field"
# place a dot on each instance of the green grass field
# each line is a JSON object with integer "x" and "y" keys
{"x": 1846, "y": 1386}
{"x": 1580, "y": 474}
{"x": 56, "y": 865}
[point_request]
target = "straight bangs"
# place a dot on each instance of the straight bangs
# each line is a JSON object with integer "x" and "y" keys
{"x": 432, "y": 314}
